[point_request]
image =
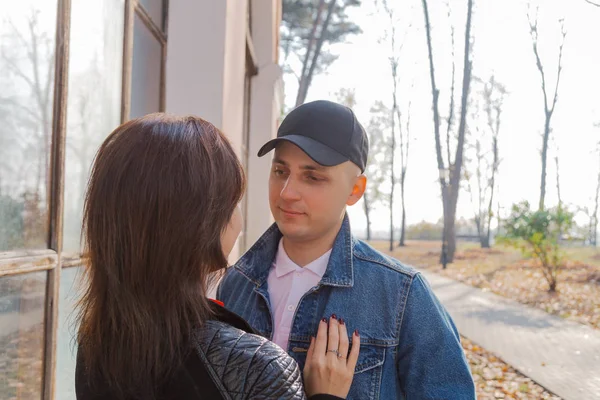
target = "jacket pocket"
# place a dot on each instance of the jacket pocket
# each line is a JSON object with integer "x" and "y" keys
{"x": 368, "y": 372}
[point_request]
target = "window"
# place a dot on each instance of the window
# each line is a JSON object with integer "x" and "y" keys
{"x": 147, "y": 87}
{"x": 22, "y": 303}
{"x": 94, "y": 102}
{"x": 26, "y": 87}
{"x": 57, "y": 104}
{"x": 250, "y": 71}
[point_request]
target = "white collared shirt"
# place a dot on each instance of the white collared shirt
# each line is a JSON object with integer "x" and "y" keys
{"x": 287, "y": 283}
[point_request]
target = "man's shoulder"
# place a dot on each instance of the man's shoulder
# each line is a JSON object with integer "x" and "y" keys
{"x": 372, "y": 257}
{"x": 236, "y": 275}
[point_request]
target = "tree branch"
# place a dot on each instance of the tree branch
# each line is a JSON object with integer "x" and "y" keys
{"x": 592, "y": 3}
{"x": 560, "y": 54}
{"x": 435, "y": 96}
{"x": 533, "y": 30}
{"x": 450, "y": 119}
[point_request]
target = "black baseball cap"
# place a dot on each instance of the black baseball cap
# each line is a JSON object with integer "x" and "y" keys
{"x": 327, "y": 132}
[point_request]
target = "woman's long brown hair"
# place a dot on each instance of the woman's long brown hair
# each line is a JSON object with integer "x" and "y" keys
{"x": 162, "y": 191}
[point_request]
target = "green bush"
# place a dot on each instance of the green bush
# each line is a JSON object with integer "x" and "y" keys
{"x": 537, "y": 234}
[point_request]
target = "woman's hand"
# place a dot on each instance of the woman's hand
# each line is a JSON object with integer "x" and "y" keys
{"x": 329, "y": 366}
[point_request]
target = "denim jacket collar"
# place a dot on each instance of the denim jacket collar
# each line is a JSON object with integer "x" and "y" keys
{"x": 256, "y": 262}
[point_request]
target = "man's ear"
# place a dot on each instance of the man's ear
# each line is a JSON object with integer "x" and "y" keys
{"x": 357, "y": 191}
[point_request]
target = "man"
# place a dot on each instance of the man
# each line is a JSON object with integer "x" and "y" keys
{"x": 308, "y": 266}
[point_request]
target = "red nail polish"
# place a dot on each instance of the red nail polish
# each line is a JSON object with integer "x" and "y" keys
{"x": 333, "y": 316}
{"x": 356, "y": 332}
{"x": 324, "y": 320}
{"x": 341, "y": 321}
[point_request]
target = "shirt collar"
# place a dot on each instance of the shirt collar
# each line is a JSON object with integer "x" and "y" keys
{"x": 284, "y": 265}
{"x": 256, "y": 263}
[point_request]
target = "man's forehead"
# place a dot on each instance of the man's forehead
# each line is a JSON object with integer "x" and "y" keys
{"x": 304, "y": 164}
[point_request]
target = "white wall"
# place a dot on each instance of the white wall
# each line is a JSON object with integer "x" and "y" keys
{"x": 195, "y": 59}
{"x": 206, "y": 60}
{"x": 266, "y": 101}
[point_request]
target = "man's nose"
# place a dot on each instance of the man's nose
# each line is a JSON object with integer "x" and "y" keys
{"x": 290, "y": 191}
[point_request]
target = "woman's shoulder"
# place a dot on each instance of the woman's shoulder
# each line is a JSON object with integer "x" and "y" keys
{"x": 216, "y": 338}
{"x": 246, "y": 363}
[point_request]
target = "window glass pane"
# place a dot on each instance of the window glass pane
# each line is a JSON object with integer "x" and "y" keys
{"x": 145, "y": 75}
{"x": 94, "y": 101}
{"x": 155, "y": 10}
{"x": 22, "y": 299}
{"x": 66, "y": 346}
{"x": 27, "y": 32}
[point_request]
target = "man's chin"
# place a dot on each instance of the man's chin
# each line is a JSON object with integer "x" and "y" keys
{"x": 290, "y": 229}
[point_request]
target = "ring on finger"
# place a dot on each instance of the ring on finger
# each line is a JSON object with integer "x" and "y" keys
{"x": 334, "y": 351}
{"x": 341, "y": 357}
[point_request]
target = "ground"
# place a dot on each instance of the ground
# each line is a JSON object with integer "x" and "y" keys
{"x": 494, "y": 379}
{"x": 505, "y": 272}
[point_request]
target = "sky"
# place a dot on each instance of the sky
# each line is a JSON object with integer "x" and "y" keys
{"x": 502, "y": 46}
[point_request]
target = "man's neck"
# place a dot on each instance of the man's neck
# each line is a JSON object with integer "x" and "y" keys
{"x": 303, "y": 253}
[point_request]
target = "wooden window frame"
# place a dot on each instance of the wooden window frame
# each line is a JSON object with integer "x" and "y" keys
{"x": 133, "y": 8}
{"x": 51, "y": 259}
{"x": 251, "y": 70}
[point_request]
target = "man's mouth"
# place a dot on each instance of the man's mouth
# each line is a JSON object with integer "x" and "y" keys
{"x": 290, "y": 212}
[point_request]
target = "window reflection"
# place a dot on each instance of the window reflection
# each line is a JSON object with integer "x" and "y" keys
{"x": 94, "y": 101}
{"x": 27, "y": 30}
{"x": 22, "y": 335}
{"x": 155, "y": 10}
{"x": 146, "y": 71}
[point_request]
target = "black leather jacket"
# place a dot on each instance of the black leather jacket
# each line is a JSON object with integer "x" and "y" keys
{"x": 229, "y": 362}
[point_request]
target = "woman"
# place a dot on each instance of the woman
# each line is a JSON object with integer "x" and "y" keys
{"x": 160, "y": 220}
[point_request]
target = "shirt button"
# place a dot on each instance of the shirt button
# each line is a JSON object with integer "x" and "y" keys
{"x": 290, "y": 308}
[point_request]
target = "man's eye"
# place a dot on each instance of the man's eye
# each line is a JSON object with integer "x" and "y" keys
{"x": 314, "y": 178}
{"x": 278, "y": 172}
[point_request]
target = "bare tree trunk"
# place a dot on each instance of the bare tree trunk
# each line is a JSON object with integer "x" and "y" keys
{"x": 544, "y": 162}
{"x": 450, "y": 119}
{"x": 594, "y": 221}
{"x": 367, "y": 208}
{"x": 435, "y": 94}
{"x": 403, "y": 226}
{"x": 303, "y": 87}
{"x": 548, "y": 108}
{"x": 558, "y": 182}
{"x": 303, "y": 82}
{"x": 492, "y": 187}
{"x": 455, "y": 172}
{"x": 404, "y": 152}
{"x": 392, "y": 174}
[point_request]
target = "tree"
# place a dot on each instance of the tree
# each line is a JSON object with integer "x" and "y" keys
{"x": 491, "y": 101}
{"x": 537, "y": 234}
{"x": 450, "y": 181}
{"x": 404, "y": 148}
{"x": 378, "y": 165}
{"x": 594, "y": 216}
{"x": 27, "y": 60}
{"x": 403, "y": 137}
{"x": 549, "y": 105}
{"x": 307, "y": 26}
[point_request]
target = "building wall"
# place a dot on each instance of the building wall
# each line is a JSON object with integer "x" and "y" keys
{"x": 195, "y": 59}
{"x": 267, "y": 100}
{"x": 206, "y": 68}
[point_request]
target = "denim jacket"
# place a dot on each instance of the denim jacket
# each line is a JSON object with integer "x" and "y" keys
{"x": 410, "y": 348}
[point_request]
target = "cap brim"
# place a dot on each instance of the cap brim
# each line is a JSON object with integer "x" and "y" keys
{"x": 320, "y": 153}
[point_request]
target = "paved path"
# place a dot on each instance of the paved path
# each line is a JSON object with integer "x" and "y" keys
{"x": 562, "y": 356}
